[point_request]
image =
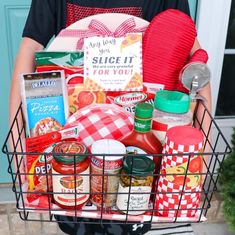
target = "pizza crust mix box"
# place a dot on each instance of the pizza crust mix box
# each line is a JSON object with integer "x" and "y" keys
{"x": 45, "y": 101}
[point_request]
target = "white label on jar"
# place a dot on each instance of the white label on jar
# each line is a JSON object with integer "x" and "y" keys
{"x": 136, "y": 150}
{"x": 65, "y": 184}
{"x": 136, "y": 202}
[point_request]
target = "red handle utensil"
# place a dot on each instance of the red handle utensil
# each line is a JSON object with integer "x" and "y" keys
{"x": 40, "y": 143}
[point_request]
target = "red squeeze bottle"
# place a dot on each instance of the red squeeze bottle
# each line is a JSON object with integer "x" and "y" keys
{"x": 141, "y": 140}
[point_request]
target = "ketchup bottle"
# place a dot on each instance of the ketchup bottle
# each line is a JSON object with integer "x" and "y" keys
{"x": 141, "y": 140}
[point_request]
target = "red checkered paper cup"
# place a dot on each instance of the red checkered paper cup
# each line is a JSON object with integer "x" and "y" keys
{"x": 176, "y": 200}
{"x": 102, "y": 121}
{"x": 179, "y": 186}
{"x": 179, "y": 140}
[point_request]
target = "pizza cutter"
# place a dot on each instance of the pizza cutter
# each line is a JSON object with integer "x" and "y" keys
{"x": 194, "y": 77}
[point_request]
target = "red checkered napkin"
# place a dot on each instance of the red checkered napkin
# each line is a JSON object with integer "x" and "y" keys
{"x": 175, "y": 200}
{"x": 101, "y": 121}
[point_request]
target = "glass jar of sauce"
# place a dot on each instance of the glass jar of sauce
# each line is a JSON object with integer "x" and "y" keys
{"x": 71, "y": 181}
{"x": 135, "y": 185}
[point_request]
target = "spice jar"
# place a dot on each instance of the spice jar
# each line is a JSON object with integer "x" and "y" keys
{"x": 135, "y": 184}
{"x": 71, "y": 181}
{"x": 105, "y": 171}
{"x": 171, "y": 109}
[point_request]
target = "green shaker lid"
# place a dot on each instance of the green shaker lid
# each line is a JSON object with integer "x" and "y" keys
{"x": 138, "y": 165}
{"x": 144, "y": 110}
{"x": 172, "y": 101}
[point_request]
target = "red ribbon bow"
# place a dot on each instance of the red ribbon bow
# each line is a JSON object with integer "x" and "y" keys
{"x": 97, "y": 28}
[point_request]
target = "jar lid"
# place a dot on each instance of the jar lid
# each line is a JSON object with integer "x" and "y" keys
{"x": 184, "y": 139}
{"x": 172, "y": 101}
{"x": 70, "y": 147}
{"x": 138, "y": 165}
{"x": 144, "y": 110}
{"x": 108, "y": 146}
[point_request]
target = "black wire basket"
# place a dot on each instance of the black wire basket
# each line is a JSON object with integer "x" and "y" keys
{"x": 47, "y": 210}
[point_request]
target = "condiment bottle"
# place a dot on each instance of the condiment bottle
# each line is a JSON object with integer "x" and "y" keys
{"x": 71, "y": 181}
{"x": 103, "y": 164}
{"x": 141, "y": 140}
{"x": 135, "y": 185}
{"x": 171, "y": 109}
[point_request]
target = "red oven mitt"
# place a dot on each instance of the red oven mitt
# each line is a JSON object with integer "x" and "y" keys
{"x": 167, "y": 43}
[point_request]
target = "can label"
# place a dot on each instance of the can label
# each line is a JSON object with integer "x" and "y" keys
{"x": 134, "y": 200}
{"x": 69, "y": 190}
{"x": 101, "y": 184}
{"x": 107, "y": 164}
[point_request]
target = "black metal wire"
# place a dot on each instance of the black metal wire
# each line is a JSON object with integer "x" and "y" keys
{"x": 16, "y": 156}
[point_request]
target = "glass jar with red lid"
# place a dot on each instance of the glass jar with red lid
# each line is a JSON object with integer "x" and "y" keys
{"x": 71, "y": 180}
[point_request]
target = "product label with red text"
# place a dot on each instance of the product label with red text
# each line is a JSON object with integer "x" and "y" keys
{"x": 65, "y": 187}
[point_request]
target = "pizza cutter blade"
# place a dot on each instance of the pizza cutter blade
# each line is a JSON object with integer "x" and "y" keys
{"x": 194, "y": 77}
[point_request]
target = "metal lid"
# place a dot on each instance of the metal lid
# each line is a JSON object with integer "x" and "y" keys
{"x": 69, "y": 147}
{"x": 138, "y": 165}
{"x": 108, "y": 146}
{"x": 172, "y": 101}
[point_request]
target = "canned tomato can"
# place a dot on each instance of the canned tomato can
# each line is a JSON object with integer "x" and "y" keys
{"x": 105, "y": 171}
{"x": 71, "y": 180}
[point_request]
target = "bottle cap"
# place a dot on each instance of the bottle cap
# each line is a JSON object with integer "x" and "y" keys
{"x": 144, "y": 110}
{"x": 108, "y": 146}
{"x": 138, "y": 165}
{"x": 172, "y": 101}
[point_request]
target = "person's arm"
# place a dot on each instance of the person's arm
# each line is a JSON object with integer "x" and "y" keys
{"x": 24, "y": 64}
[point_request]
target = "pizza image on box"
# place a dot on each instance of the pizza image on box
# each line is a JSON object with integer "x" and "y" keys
{"x": 46, "y": 125}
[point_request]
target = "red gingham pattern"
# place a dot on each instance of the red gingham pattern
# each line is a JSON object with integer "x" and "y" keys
{"x": 172, "y": 198}
{"x": 103, "y": 121}
{"x": 97, "y": 28}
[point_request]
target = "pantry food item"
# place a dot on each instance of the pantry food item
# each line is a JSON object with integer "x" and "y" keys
{"x": 141, "y": 140}
{"x": 44, "y": 98}
{"x": 103, "y": 164}
{"x": 135, "y": 184}
{"x": 46, "y": 125}
{"x": 38, "y": 173}
{"x": 71, "y": 62}
{"x": 71, "y": 169}
{"x": 171, "y": 109}
{"x": 128, "y": 100}
{"x": 78, "y": 96}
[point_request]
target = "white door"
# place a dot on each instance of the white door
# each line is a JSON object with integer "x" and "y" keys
{"x": 216, "y": 33}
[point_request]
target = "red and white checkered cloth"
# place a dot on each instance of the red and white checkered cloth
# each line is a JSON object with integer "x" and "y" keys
{"x": 102, "y": 121}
